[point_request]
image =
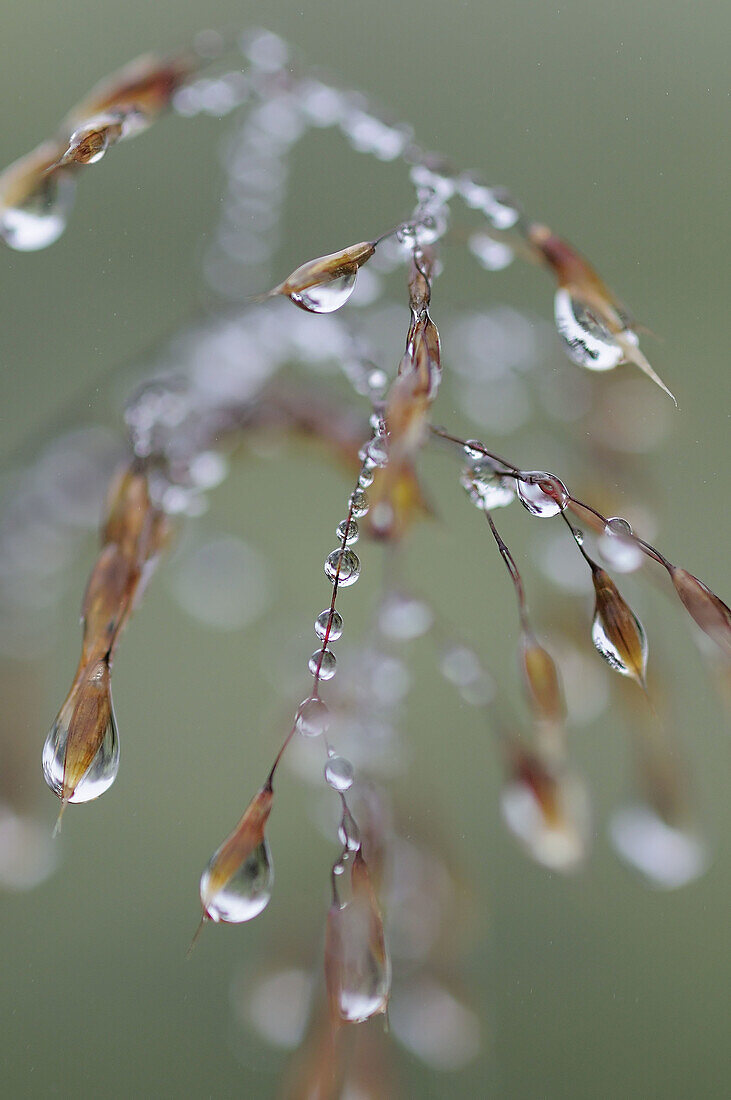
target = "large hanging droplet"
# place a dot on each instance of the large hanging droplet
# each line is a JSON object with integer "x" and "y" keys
{"x": 81, "y": 752}
{"x": 616, "y": 632}
{"x": 325, "y": 284}
{"x": 237, "y": 882}
{"x": 357, "y": 966}
{"x": 41, "y": 217}
{"x": 542, "y": 494}
{"x": 587, "y": 341}
{"x": 328, "y": 296}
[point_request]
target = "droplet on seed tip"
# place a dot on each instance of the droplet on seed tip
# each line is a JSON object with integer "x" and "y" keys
{"x": 542, "y": 494}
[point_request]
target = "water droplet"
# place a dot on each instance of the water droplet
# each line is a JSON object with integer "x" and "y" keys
{"x": 375, "y": 452}
{"x": 615, "y": 656}
{"x": 549, "y": 814}
{"x": 246, "y": 893}
{"x": 669, "y": 856}
{"x": 348, "y": 832}
{"x": 474, "y": 450}
{"x": 81, "y": 752}
{"x": 433, "y": 1025}
{"x": 492, "y": 255}
{"x": 322, "y": 664}
{"x": 359, "y": 504}
{"x": 339, "y": 773}
{"x": 348, "y": 531}
{"x": 343, "y": 566}
{"x": 588, "y": 342}
{"x": 543, "y": 494}
{"x": 336, "y": 625}
{"x": 377, "y": 381}
{"x": 328, "y": 296}
{"x": 313, "y": 718}
{"x": 365, "y": 477}
{"x": 41, "y": 218}
{"x": 485, "y": 487}
{"x": 618, "y": 548}
{"x": 404, "y": 617}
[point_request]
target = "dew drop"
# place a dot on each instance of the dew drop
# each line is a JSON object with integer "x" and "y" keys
{"x": 41, "y": 218}
{"x": 474, "y": 450}
{"x": 322, "y": 664}
{"x": 336, "y": 625}
{"x": 327, "y": 296}
{"x": 365, "y": 477}
{"x": 485, "y": 487}
{"x": 313, "y": 718}
{"x": 246, "y": 893}
{"x": 348, "y": 832}
{"x": 359, "y": 504}
{"x": 491, "y": 254}
{"x": 342, "y": 566}
{"x": 375, "y": 452}
{"x": 611, "y": 653}
{"x": 339, "y": 773}
{"x": 543, "y": 494}
{"x": 76, "y": 723}
{"x": 618, "y": 548}
{"x": 404, "y": 617}
{"x": 668, "y": 856}
{"x": 347, "y": 531}
{"x": 588, "y": 342}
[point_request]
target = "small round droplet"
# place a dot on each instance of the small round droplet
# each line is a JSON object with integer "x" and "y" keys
{"x": 359, "y": 504}
{"x": 336, "y": 625}
{"x": 617, "y": 526}
{"x": 377, "y": 380}
{"x": 618, "y": 548}
{"x": 322, "y": 664}
{"x": 327, "y": 296}
{"x": 339, "y": 773}
{"x": 313, "y": 718}
{"x": 474, "y": 450}
{"x": 342, "y": 566}
{"x": 365, "y": 477}
{"x": 542, "y": 494}
{"x": 348, "y": 531}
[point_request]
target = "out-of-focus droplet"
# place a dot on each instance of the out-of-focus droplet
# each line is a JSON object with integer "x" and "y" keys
{"x": 332, "y": 619}
{"x": 81, "y": 752}
{"x": 313, "y": 717}
{"x": 339, "y": 773}
{"x": 348, "y": 831}
{"x": 403, "y": 617}
{"x": 347, "y": 531}
{"x": 543, "y": 494}
{"x": 27, "y": 852}
{"x": 40, "y": 218}
{"x": 343, "y": 566}
{"x": 587, "y": 341}
{"x": 548, "y": 812}
{"x": 710, "y": 613}
{"x": 668, "y": 856}
{"x": 617, "y": 547}
{"x": 492, "y": 255}
{"x": 357, "y": 966}
{"x": 460, "y": 665}
{"x": 433, "y": 1025}
{"x": 277, "y": 1005}
{"x": 485, "y": 487}
{"x": 323, "y": 664}
{"x": 365, "y": 477}
{"x": 616, "y": 632}
{"x": 237, "y": 883}
{"x": 221, "y": 583}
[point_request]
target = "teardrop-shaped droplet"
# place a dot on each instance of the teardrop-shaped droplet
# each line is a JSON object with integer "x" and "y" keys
{"x": 347, "y": 530}
{"x": 588, "y": 342}
{"x": 548, "y": 813}
{"x": 348, "y": 831}
{"x": 331, "y": 619}
{"x": 328, "y": 296}
{"x": 81, "y": 752}
{"x": 366, "y": 475}
{"x": 343, "y": 566}
{"x": 485, "y": 487}
{"x": 357, "y": 966}
{"x": 323, "y": 664}
{"x": 246, "y": 893}
{"x": 616, "y": 632}
{"x": 339, "y": 773}
{"x": 325, "y": 284}
{"x": 89, "y": 142}
{"x": 237, "y": 882}
{"x": 543, "y": 494}
{"x": 40, "y": 219}
{"x": 313, "y": 717}
{"x": 668, "y": 856}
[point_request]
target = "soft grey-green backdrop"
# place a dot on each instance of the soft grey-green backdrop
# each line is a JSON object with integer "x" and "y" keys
{"x": 609, "y": 121}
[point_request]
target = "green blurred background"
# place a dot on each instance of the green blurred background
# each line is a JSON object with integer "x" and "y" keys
{"x": 611, "y": 123}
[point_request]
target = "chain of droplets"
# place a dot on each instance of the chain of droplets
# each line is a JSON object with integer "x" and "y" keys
{"x": 342, "y": 568}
